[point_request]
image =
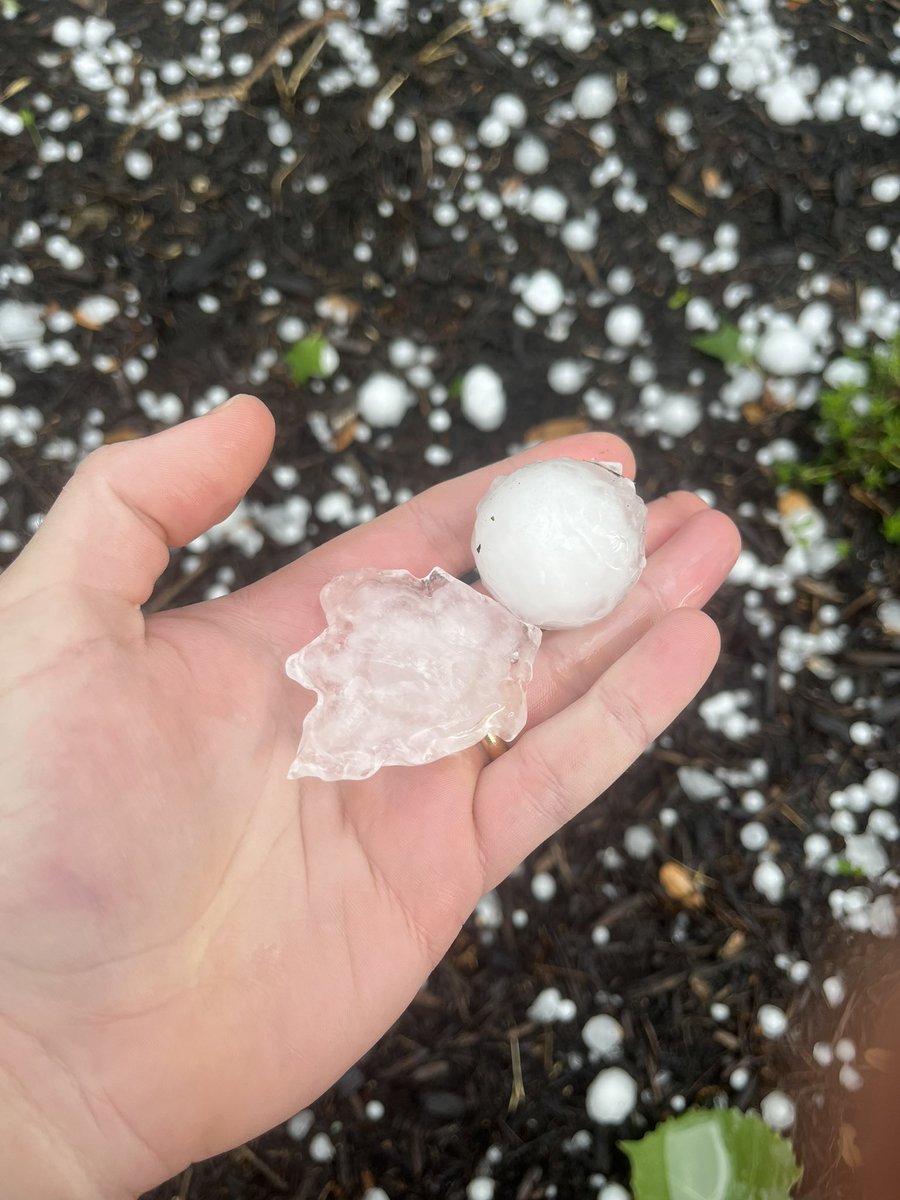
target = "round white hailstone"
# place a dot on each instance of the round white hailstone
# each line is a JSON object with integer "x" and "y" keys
{"x": 679, "y": 415}
{"x": 375, "y": 1193}
{"x": 834, "y": 991}
{"x": 483, "y": 398}
{"x": 861, "y": 733}
{"x": 719, "y": 1012}
{"x": 754, "y": 836}
{"x": 883, "y": 786}
{"x": 543, "y": 886}
{"x": 493, "y": 133}
{"x": 560, "y": 542}
{"x": 845, "y": 1050}
{"x": 579, "y": 235}
{"x": 773, "y": 1022}
{"x": 613, "y": 1191}
{"x": 886, "y": 189}
{"x": 600, "y": 935}
{"x": 97, "y": 310}
{"x": 739, "y": 1078}
{"x": 321, "y": 1148}
{"x": 603, "y": 1036}
{"x": 531, "y": 156}
{"x": 612, "y": 1097}
{"x": 816, "y": 848}
{"x": 280, "y": 133}
{"x": 510, "y": 109}
{"x": 383, "y": 400}
{"x": 624, "y": 325}
{"x": 823, "y": 1054}
{"x": 785, "y": 102}
{"x": 639, "y": 842}
{"x": 778, "y": 1111}
{"x": 543, "y": 293}
{"x": 567, "y": 376}
{"x": 138, "y": 164}
{"x": 594, "y": 97}
{"x": 300, "y": 1125}
{"x": 68, "y": 32}
{"x": 374, "y": 1110}
{"x": 768, "y": 878}
{"x": 480, "y": 1188}
{"x": 548, "y": 204}
{"x": 549, "y": 1006}
{"x": 784, "y": 351}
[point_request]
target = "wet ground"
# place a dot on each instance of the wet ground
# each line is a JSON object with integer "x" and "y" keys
{"x": 296, "y": 203}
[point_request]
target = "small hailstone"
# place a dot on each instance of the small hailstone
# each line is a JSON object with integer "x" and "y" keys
{"x": 773, "y": 1022}
{"x": 845, "y": 1050}
{"x": 719, "y": 1012}
{"x": 883, "y": 786}
{"x": 531, "y": 156}
{"x": 612, "y": 1097}
{"x": 300, "y": 1125}
{"x": 785, "y": 351}
{"x": 739, "y": 1078}
{"x": 549, "y": 1006}
{"x": 543, "y": 293}
{"x": 834, "y": 991}
{"x": 483, "y": 398}
{"x": 624, "y": 325}
{"x": 374, "y": 1110}
{"x": 510, "y": 109}
{"x": 861, "y": 733}
{"x": 613, "y": 1191}
{"x": 823, "y": 1054}
{"x": 594, "y": 97}
{"x": 699, "y": 785}
{"x": 375, "y": 1193}
{"x": 639, "y": 842}
{"x": 560, "y": 542}
{"x": 138, "y": 164}
{"x": 548, "y": 204}
{"x": 778, "y": 1111}
{"x": 321, "y": 1148}
{"x": 480, "y": 1188}
{"x": 543, "y": 886}
{"x": 97, "y": 310}
{"x": 603, "y": 1036}
{"x": 816, "y": 848}
{"x": 886, "y": 189}
{"x": 768, "y": 878}
{"x": 383, "y": 400}
{"x": 865, "y": 853}
{"x": 850, "y": 1078}
{"x": 567, "y": 376}
{"x": 600, "y": 935}
{"x": 754, "y": 835}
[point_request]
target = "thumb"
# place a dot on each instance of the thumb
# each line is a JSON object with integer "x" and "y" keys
{"x": 113, "y": 523}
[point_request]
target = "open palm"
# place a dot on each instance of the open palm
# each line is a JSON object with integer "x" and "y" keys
{"x": 192, "y": 946}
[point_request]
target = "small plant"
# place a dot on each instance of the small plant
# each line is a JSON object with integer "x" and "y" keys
{"x": 724, "y": 345}
{"x": 860, "y": 439}
{"x": 712, "y": 1154}
{"x": 311, "y": 358}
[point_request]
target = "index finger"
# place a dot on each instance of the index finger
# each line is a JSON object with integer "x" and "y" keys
{"x": 434, "y": 529}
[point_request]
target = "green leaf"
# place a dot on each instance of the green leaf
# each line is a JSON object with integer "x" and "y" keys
{"x": 719, "y": 1154}
{"x": 846, "y": 868}
{"x": 724, "y": 345}
{"x": 679, "y": 299}
{"x": 26, "y": 116}
{"x": 891, "y": 528}
{"x": 668, "y": 22}
{"x": 311, "y": 358}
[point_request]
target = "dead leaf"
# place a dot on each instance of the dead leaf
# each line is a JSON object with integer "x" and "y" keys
{"x": 681, "y": 884}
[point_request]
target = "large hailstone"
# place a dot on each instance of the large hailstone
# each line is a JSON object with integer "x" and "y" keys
{"x": 559, "y": 543}
{"x": 407, "y": 671}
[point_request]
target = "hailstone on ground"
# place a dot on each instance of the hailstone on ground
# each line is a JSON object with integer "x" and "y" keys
{"x": 560, "y": 542}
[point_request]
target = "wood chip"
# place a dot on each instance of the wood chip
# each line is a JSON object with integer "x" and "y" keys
{"x": 557, "y": 427}
{"x": 681, "y": 884}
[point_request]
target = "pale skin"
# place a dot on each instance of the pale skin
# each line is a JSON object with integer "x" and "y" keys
{"x": 192, "y": 947}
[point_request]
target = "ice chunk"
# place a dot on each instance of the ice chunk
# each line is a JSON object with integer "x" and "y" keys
{"x": 407, "y": 671}
{"x": 560, "y": 542}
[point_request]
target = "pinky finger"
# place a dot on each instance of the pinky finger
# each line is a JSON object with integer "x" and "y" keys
{"x": 557, "y": 768}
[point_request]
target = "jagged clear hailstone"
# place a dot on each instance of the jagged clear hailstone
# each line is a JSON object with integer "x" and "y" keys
{"x": 407, "y": 671}
{"x": 560, "y": 542}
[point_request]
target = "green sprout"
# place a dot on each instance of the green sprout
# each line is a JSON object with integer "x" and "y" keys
{"x": 724, "y": 345}
{"x": 859, "y": 433}
{"x": 313, "y": 357}
{"x": 718, "y": 1154}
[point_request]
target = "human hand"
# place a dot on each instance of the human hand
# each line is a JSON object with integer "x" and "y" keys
{"x": 192, "y": 946}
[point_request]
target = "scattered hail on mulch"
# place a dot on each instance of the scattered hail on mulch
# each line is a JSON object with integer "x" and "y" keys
{"x": 501, "y": 223}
